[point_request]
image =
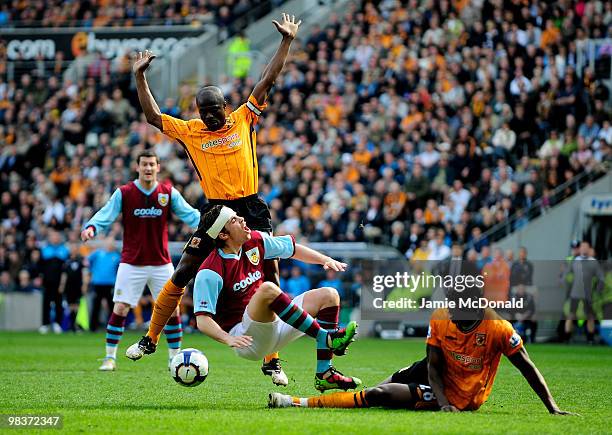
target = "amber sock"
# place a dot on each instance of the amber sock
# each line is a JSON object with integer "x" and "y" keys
{"x": 165, "y": 305}
{"x": 334, "y": 400}
{"x": 270, "y": 357}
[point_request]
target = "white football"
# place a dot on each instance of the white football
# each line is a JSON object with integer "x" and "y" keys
{"x": 189, "y": 367}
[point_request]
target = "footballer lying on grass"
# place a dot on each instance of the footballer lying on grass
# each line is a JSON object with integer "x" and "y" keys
{"x": 236, "y": 307}
{"x": 464, "y": 347}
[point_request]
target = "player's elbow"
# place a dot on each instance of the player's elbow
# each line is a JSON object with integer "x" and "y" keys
{"x": 154, "y": 119}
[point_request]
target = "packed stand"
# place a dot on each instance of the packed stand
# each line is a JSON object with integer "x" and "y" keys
{"x": 399, "y": 123}
{"x": 122, "y": 13}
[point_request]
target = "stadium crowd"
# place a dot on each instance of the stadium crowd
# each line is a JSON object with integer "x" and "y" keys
{"x": 121, "y": 13}
{"x": 415, "y": 124}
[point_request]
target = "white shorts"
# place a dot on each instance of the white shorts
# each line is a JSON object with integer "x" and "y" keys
{"x": 131, "y": 281}
{"x": 267, "y": 337}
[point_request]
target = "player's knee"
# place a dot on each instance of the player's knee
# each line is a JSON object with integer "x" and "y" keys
{"x": 377, "y": 396}
{"x": 121, "y": 309}
{"x": 269, "y": 290}
{"x": 330, "y": 296}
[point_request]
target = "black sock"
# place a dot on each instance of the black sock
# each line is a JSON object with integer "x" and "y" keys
{"x": 73, "y": 315}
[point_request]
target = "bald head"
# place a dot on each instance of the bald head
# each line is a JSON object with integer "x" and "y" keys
{"x": 211, "y": 106}
{"x": 208, "y": 95}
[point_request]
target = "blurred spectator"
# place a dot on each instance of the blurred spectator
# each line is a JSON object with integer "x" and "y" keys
{"x": 297, "y": 283}
{"x": 103, "y": 265}
{"x": 496, "y": 277}
{"x": 332, "y": 280}
{"x": 25, "y": 284}
{"x": 6, "y": 284}
{"x": 239, "y": 56}
{"x": 521, "y": 272}
{"x": 438, "y": 250}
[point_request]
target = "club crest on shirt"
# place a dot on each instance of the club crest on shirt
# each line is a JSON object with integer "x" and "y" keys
{"x": 163, "y": 198}
{"x": 481, "y": 339}
{"x": 253, "y": 256}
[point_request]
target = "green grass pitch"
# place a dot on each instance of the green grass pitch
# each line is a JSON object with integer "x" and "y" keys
{"x": 58, "y": 374}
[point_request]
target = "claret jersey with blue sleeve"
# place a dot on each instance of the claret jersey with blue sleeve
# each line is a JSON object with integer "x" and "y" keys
{"x": 226, "y": 283}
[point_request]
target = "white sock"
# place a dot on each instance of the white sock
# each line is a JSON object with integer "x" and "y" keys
{"x": 172, "y": 352}
{"x": 111, "y": 352}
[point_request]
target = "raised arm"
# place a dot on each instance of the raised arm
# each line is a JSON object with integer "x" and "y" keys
{"x": 285, "y": 247}
{"x": 288, "y": 29}
{"x": 149, "y": 106}
{"x": 435, "y": 370}
{"x": 521, "y": 361}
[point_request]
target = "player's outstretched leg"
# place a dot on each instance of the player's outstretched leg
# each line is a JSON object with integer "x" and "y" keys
{"x": 387, "y": 395}
{"x": 270, "y": 297}
{"x": 166, "y": 303}
{"x": 114, "y": 331}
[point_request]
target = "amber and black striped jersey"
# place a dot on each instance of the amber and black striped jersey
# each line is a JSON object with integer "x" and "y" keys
{"x": 225, "y": 160}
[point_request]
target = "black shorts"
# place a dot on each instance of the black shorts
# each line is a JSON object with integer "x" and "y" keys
{"x": 252, "y": 208}
{"x": 415, "y": 376}
{"x": 586, "y": 303}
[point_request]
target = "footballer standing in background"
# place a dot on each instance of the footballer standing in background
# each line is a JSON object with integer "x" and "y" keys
{"x": 145, "y": 205}
{"x": 223, "y": 152}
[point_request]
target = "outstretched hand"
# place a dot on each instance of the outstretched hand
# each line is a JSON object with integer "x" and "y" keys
{"x": 288, "y": 28}
{"x": 332, "y": 264}
{"x": 143, "y": 61}
{"x": 87, "y": 234}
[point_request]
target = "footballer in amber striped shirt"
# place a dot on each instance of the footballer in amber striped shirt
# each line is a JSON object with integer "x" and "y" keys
{"x": 223, "y": 152}
{"x": 225, "y": 157}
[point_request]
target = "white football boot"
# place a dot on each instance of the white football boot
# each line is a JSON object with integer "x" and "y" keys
{"x": 274, "y": 370}
{"x": 108, "y": 365}
{"x": 278, "y": 400}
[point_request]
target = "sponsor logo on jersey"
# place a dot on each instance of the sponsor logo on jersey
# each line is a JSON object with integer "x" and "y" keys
{"x": 233, "y": 140}
{"x": 163, "y": 198}
{"x": 472, "y": 362}
{"x": 515, "y": 340}
{"x": 481, "y": 339}
{"x": 253, "y": 256}
{"x": 148, "y": 212}
{"x": 250, "y": 279}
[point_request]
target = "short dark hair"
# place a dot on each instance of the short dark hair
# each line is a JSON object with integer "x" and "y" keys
{"x": 209, "y": 219}
{"x": 147, "y": 153}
